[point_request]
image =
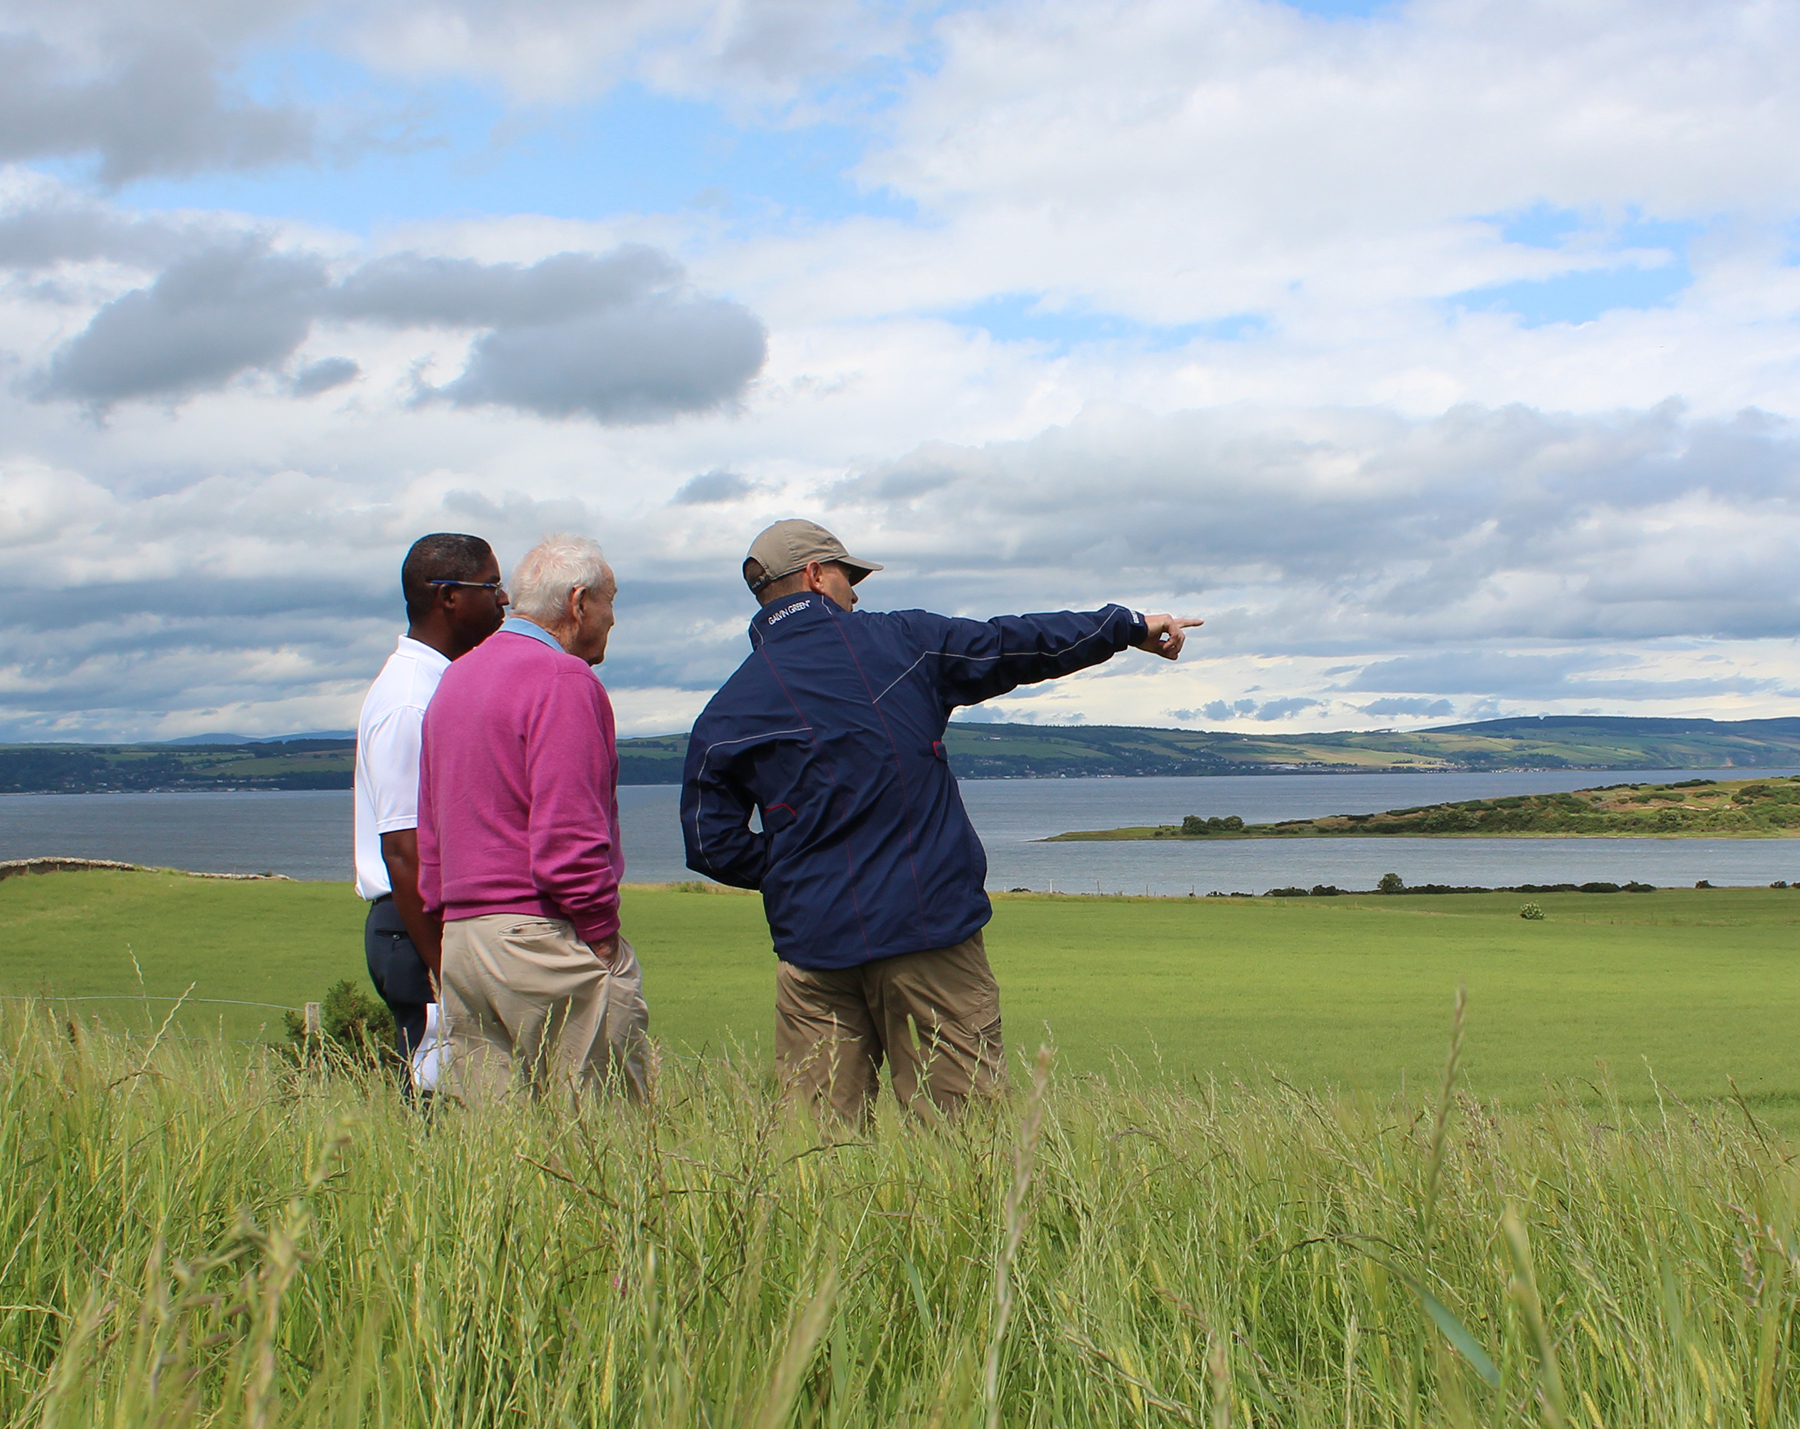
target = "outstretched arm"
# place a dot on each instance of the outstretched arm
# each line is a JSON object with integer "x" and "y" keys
{"x": 978, "y": 659}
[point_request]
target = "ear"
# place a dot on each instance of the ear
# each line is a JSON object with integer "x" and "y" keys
{"x": 577, "y": 603}
{"x": 815, "y": 576}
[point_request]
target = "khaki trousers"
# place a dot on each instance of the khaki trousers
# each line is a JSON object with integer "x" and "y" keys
{"x": 934, "y": 1016}
{"x": 527, "y": 1007}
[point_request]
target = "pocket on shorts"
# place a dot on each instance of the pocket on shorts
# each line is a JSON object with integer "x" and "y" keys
{"x": 983, "y": 990}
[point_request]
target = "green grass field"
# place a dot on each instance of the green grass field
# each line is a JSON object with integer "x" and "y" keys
{"x": 198, "y": 1238}
{"x": 1347, "y": 994}
{"x": 198, "y": 1234}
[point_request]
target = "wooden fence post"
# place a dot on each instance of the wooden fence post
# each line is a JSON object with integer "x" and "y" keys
{"x": 315, "y": 1024}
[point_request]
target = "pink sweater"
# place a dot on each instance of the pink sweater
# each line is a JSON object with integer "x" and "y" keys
{"x": 518, "y": 789}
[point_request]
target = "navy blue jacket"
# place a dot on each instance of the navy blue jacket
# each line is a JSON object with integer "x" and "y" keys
{"x": 833, "y": 731}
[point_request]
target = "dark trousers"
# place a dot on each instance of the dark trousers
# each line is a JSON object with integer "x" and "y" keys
{"x": 398, "y": 972}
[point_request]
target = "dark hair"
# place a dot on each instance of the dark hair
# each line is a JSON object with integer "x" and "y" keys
{"x": 442, "y": 556}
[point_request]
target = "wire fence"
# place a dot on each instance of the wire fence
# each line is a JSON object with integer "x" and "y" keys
{"x": 146, "y": 997}
{"x": 165, "y": 997}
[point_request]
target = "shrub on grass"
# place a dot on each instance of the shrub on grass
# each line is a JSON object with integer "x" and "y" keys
{"x": 1532, "y": 913}
{"x": 351, "y": 1023}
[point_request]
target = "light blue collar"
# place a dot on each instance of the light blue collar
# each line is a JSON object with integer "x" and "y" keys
{"x": 517, "y": 625}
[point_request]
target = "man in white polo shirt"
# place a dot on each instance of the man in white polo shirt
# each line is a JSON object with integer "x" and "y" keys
{"x": 454, "y": 601}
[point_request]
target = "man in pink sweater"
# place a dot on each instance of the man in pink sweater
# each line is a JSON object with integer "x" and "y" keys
{"x": 519, "y": 845}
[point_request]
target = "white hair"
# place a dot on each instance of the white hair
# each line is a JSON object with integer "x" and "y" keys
{"x": 550, "y": 570}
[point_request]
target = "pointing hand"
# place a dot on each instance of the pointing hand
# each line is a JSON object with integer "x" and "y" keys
{"x": 1167, "y": 634}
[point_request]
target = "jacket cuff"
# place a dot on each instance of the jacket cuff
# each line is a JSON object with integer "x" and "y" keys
{"x": 1140, "y": 629}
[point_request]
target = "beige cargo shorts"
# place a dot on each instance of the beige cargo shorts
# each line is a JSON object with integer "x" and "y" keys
{"x": 933, "y": 1016}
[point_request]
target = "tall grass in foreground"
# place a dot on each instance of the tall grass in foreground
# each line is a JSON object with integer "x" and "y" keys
{"x": 189, "y": 1238}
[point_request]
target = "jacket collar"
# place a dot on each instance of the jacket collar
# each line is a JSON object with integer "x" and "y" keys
{"x": 794, "y": 612}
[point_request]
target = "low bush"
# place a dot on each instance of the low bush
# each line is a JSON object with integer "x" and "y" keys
{"x": 1532, "y": 913}
{"x": 1194, "y": 824}
{"x": 353, "y": 1025}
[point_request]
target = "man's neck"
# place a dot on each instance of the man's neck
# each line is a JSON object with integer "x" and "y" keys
{"x": 555, "y": 632}
{"x": 438, "y": 639}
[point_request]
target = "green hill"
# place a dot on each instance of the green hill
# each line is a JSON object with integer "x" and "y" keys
{"x": 1555, "y": 742}
{"x": 1007, "y": 751}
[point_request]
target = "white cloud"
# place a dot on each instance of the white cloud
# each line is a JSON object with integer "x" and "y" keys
{"x": 1377, "y": 480}
{"x": 760, "y": 52}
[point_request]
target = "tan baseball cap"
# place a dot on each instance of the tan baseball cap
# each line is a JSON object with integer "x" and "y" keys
{"x": 790, "y": 546}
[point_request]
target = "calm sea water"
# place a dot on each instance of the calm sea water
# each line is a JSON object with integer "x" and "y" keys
{"x": 307, "y": 835}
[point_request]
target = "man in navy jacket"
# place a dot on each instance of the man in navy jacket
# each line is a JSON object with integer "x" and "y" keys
{"x": 871, "y": 874}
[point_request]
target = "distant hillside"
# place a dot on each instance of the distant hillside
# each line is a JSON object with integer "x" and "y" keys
{"x": 1004, "y": 751}
{"x": 1012, "y": 751}
{"x": 1029, "y": 751}
{"x": 217, "y": 738}
{"x": 117, "y": 768}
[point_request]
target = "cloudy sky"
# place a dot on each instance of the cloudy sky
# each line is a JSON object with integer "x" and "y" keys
{"x": 1441, "y": 354}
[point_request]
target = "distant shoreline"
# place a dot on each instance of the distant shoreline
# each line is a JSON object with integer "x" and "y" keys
{"x": 1248, "y": 772}
{"x": 1129, "y": 835}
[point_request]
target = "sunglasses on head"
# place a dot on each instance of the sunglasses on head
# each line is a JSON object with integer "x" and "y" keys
{"x": 472, "y": 585}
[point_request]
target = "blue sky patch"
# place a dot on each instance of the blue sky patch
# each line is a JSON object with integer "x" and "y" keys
{"x": 1585, "y": 293}
{"x": 1017, "y": 317}
{"x": 463, "y": 151}
{"x": 1344, "y": 9}
{"x": 1580, "y": 297}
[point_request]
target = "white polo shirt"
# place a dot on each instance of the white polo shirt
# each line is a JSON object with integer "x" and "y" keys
{"x": 387, "y": 755}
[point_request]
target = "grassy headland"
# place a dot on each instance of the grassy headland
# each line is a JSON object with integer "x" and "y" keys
{"x": 1342, "y": 993}
{"x": 1701, "y": 808}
